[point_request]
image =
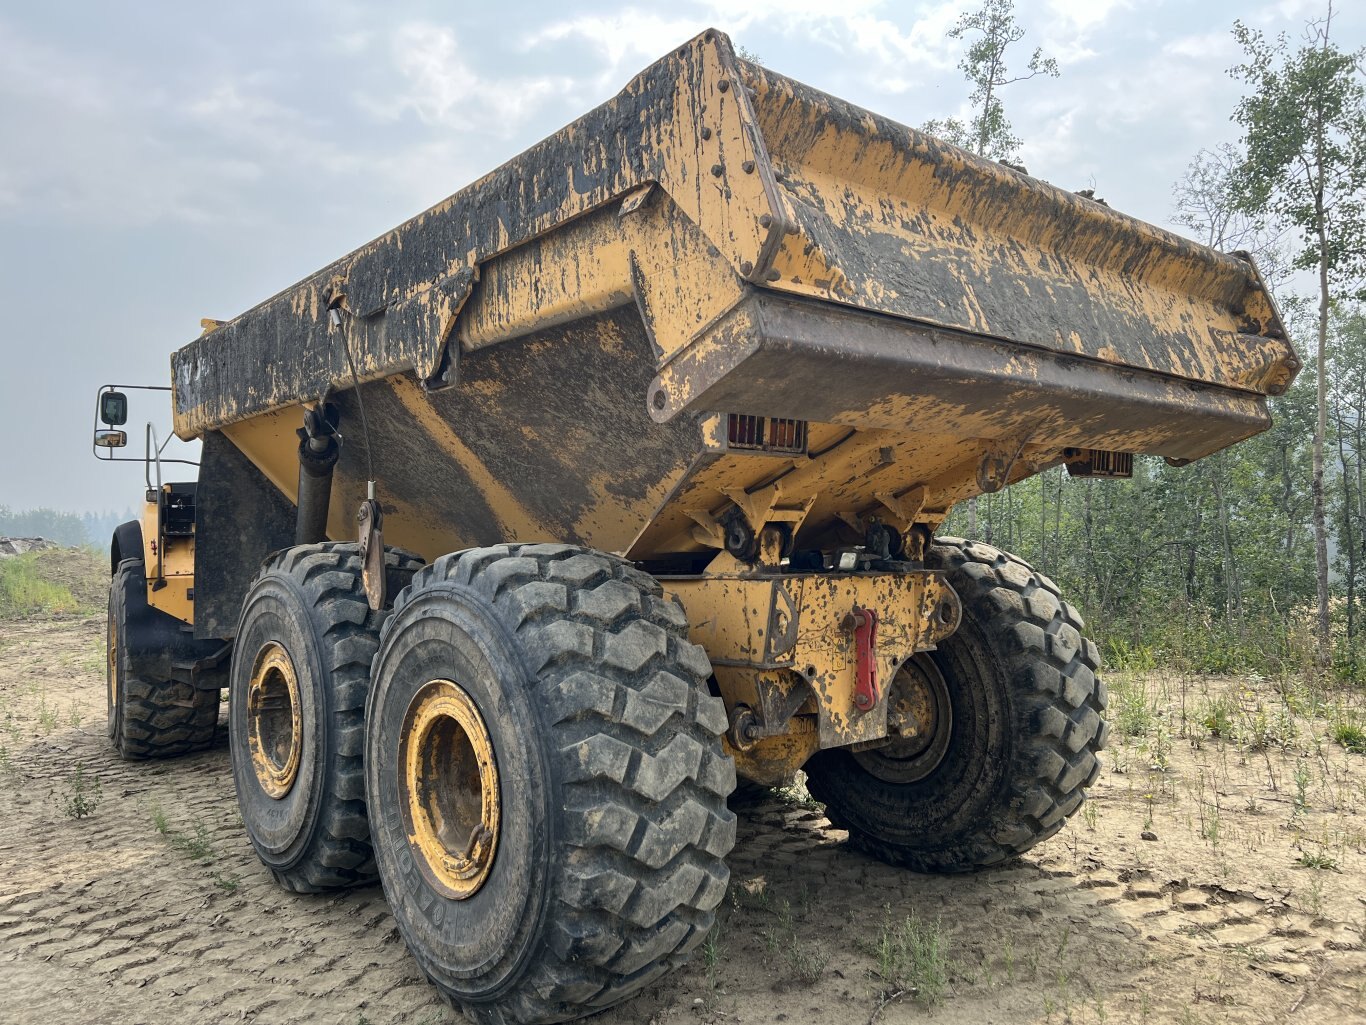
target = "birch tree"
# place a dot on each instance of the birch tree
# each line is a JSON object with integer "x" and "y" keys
{"x": 1304, "y": 166}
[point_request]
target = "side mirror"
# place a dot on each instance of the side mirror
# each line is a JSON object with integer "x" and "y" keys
{"x": 114, "y": 412}
{"x": 111, "y": 439}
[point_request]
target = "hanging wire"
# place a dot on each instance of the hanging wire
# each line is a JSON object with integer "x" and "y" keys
{"x": 364, "y": 424}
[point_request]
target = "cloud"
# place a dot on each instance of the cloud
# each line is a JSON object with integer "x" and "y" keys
{"x": 442, "y": 88}
{"x": 1086, "y": 15}
{"x": 628, "y": 37}
{"x": 1204, "y": 46}
{"x": 121, "y": 149}
{"x": 867, "y": 34}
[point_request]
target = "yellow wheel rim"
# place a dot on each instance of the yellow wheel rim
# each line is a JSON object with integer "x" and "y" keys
{"x": 449, "y": 783}
{"x": 274, "y": 722}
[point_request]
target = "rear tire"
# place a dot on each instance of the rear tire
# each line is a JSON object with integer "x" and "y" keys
{"x": 602, "y": 827}
{"x": 148, "y": 718}
{"x": 1022, "y": 739}
{"x": 296, "y": 712}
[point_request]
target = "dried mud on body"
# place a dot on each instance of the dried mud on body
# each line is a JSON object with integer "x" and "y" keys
{"x": 129, "y": 893}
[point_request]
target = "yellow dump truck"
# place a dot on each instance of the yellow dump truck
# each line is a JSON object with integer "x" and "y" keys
{"x": 521, "y": 530}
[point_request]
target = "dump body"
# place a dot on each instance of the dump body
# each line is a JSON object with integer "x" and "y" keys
{"x": 723, "y": 293}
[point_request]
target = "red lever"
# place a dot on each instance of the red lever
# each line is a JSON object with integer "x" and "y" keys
{"x": 864, "y": 622}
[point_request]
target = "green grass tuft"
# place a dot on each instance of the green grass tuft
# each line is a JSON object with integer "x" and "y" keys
{"x": 25, "y": 591}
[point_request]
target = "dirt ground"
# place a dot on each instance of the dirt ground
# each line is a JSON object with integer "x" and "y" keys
{"x": 129, "y": 893}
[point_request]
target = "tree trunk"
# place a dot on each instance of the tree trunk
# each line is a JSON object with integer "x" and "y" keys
{"x": 1325, "y": 651}
{"x": 1348, "y": 544}
{"x": 1233, "y": 592}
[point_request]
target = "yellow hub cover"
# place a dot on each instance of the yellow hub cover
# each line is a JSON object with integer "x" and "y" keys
{"x": 274, "y": 721}
{"x": 449, "y": 783}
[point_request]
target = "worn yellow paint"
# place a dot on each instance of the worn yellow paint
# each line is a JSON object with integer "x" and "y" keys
{"x": 274, "y": 721}
{"x": 771, "y": 762}
{"x": 853, "y": 477}
{"x": 585, "y": 268}
{"x": 942, "y": 204}
{"x": 270, "y": 443}
{"x": 514, "y": 519}
{"x": 171, "y": 590}
{"x": 752, "y": 624}
{"x": 448, "y": 789}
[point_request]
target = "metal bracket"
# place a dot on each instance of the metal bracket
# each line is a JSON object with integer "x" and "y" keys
{"x": 766, "y": 506}
{"x": 371, "y": 521}
{"x": 999, "y": 459}
{"x": 863, "y": 624}
{"x": 635, "y": 199}
{"x": 904, "y": 508}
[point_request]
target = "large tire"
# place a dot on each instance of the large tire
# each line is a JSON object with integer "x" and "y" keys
{"x": 1021, "y": 743}
{"x": 148, "y": 718}
{"x": 606, "y": 861}
{"x": 297, "y": 748}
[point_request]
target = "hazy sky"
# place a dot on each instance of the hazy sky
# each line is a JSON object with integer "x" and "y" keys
{"x": 162, "y": 162}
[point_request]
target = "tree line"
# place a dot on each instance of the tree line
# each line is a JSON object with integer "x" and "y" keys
{"x": 1254, "y": 558}
{"x": 66, "y": 528}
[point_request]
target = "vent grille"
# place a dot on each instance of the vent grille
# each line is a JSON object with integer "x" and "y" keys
{"x": 746, "y": 431}
{"x": 765, "y": 434}
{"x": 1095, "y": 462}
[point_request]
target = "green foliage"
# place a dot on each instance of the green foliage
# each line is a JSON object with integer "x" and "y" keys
{"x": 1132, "y": 712}
{"x": 197, "y": 847}
{"x": 228, "y": 884}
{"x": 1217, "y": 717}
{"x": 1317, "y": 860}
{"x": 1304, "y": 165}
{"x": 912, "y": 956}
{"x": 65, "y": 528}
{"x": 83, "y": 794}
{"x": 26, "y": 591}
{"x": 1351, "y": 735}
{"x": 989, "y": 31}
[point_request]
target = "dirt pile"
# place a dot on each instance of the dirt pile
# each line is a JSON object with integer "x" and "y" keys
{"x": 10, "y": 546}
{"x": 52, "y": 581}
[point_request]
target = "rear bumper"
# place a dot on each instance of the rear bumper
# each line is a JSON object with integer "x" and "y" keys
{"x": 786, "y": 357}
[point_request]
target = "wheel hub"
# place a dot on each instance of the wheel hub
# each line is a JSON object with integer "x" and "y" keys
{"x": 274, "y": 721}
{"x": 449, "y": 782}
{"x": 919, "y": 725}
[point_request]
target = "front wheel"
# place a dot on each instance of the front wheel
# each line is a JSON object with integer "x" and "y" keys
{"x": 997, "y": 731}
{"x": 148, "y": 717}
{"x": 546, "y": 781}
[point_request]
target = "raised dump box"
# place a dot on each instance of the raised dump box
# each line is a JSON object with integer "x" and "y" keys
{"x": 688, "y": 389}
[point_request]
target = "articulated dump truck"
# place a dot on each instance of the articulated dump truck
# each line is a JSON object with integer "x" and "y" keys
{"x": 524, "y": 529}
